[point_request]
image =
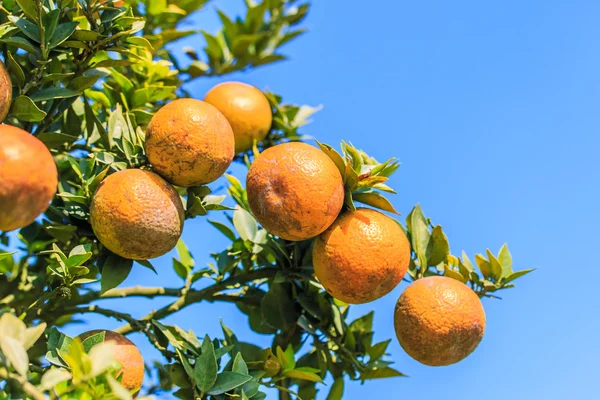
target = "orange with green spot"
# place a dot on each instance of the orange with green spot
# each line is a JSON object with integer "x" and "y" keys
{"x": 137, "y": 214}
{"x": 189, "y": 143}
{"x": 247, "y": 110}
{"x": 127, "y": 354}
{"x": 439, "y": 321}
{"x": 28, "y": 178}
{"x": 361, "y": 257}
{"x": 295, "y": 191}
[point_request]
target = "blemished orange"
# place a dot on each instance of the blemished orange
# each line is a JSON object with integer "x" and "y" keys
{"x": 247, "y": 110}
{"x": 5, "y": 92}
{"x": 127, "y": 354}
{"x": 361, "y": 257}
{"x": 28, "y": 178}
{"x": 439, "y": 321}
{"x": 294, "y": 190}
{"x": 136, "y": 214}
{"x": 189, "y": 143}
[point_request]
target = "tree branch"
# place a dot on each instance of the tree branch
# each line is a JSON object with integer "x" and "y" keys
{"x": 195, "y": 296}
{"x": 28, "y": 388}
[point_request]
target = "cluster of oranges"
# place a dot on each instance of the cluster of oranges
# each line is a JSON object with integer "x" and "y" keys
{"x": 295, "y": 191}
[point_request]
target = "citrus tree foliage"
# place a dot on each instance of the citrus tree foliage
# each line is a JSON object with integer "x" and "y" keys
{"x": 88, "y": 75}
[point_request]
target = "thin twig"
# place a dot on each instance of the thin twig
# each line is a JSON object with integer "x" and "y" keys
{"x": 195, "y": 296}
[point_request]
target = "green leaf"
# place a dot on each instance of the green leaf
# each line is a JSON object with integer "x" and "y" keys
{"x": 454, "y": 275}
{"x": 518, "y": 274}
{"x": 245, "y": 224}
{"x": 374, "y": 199}
{"x": 156, "y": 7}
{"x": 496, "y": 268}
{"x": 378, "y": 350}
{"x": 419, "y": 233}
{"x": 93, "y": 340}
{"x": 438, "y": 248}
{"x": 32, "y": 31}
{"x": 53, "y": 377}
{"x": 22, "y": 43}
{"x": 337, "y": 389}
{"x": 505, "y": 259}
{"x": 227, "y": 381}
{"x": 301, "y": 373}
{"x": 335, "y": 157}
{"x": 184, "y": 255}
{"x": 15, "y": 353}
{"x": 239, "y": 365}
{"x": 54, "y": 140}
{"x": 54, "y": 93}
{"x": 230, "y": 339}
{"x": 30, "y": 8}
{"x": 24, "y": 109}
{"x": 277, "y": 308}
{"x": 16, "y": 69}
{"x": 286, "y": 358}
{"x": 484, "y": 265}
{"x": 378, "y": 373}
{"x": 50, "y": 20}
{"x": 58, "y": 343}
{"x": 224, "y": 229}
{"x": 205, "y": 370}
{"x": 62, "y": 33}
{"x": 114, "y": 271}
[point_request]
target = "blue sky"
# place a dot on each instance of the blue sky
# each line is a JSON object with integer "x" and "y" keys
{"x": 492, "y": 108}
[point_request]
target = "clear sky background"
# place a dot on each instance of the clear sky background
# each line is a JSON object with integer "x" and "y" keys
{"x": 493, "y": 110}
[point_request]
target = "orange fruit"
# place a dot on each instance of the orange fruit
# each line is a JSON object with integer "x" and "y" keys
{"x": 294, "y": 190}
{"x": 126, "y": 354}
{"x": 137, "y": 214}
{"x": 439, "y": 320}
{"x": 5, "y": 92}
{"x": 247, "y": 110}
{"x": 189, "y": 142}
{"x": 28, "y": 178}
{"x": 361, "y": 257}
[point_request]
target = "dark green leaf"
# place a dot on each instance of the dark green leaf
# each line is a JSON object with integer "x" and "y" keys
{"x": 224, "y": 229}
{"x": 22, "y": 43}
{"x": 30, "y": 8}
{"x": 54, "y": 93}
{"x": 32, "y": 31}
{"x": 114, "y": 271}
{"x": 205, "y": 370}
{"x": 337, "y": 390}
{"x": 24, "y": 109}
{"x": 378, "y": 373}
{"x": 277, "y": 308}
{"x": 15, "y": 68}
{"x": 62, "y": 33}
{"x": 438, "y": 248}
{"x": 227, "y": 381}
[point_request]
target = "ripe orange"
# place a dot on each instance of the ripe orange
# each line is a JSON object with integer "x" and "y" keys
{"x": 28, "y": 178}
{"x": 247, "y": 110}
{"x": 189, "y": 142}
{"x": 439, "y": 320}
{"x": 361, "y": 257}
{"x": 137, "y": 214}
{"x": 295, "y": 191}
{"x": 126, "y": 354}
{"x": 5, "y": 92}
